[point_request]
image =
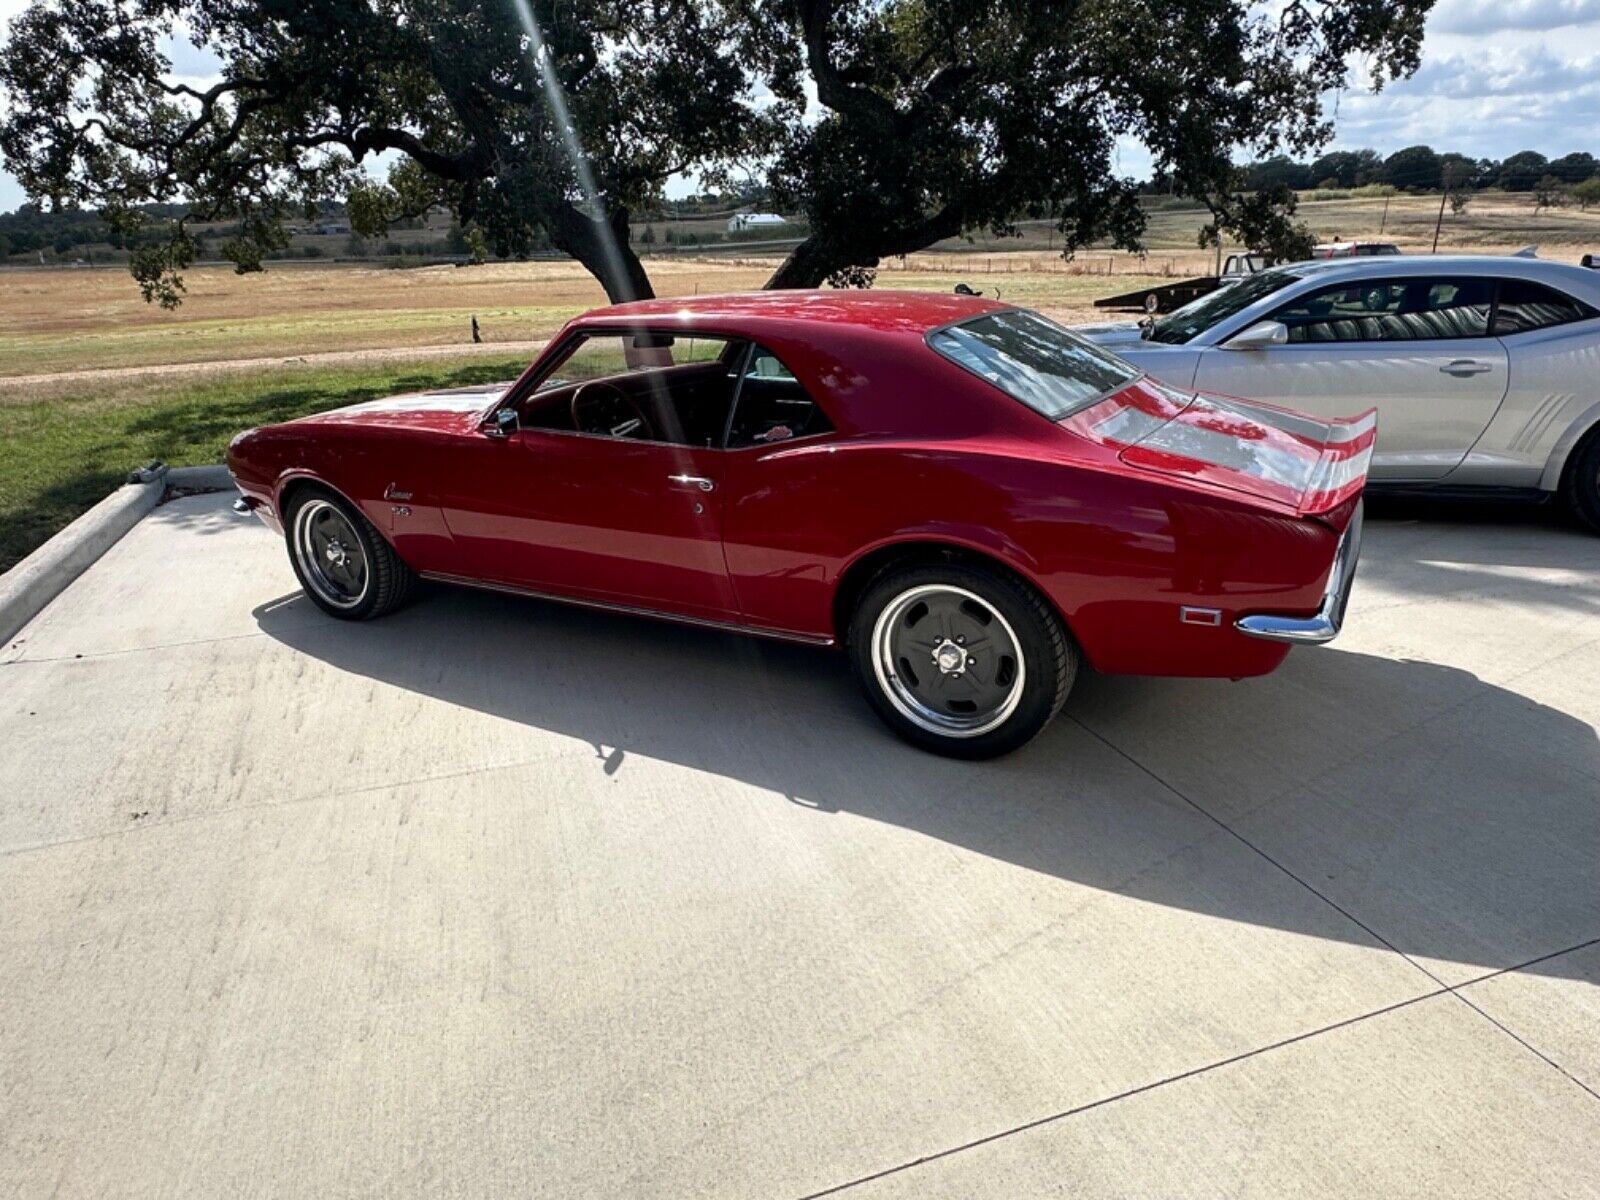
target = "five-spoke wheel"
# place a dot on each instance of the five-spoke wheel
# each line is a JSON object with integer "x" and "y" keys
{"x": 330, "y": 554}
{"x": 341, "y": 559}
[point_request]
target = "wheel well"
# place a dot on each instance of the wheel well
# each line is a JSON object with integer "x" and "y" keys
{"x": 1575, "y": 455}
{"x": 287, "y": 494}
{"x": 300, "y": 482}
{"x": 860, "y": 574}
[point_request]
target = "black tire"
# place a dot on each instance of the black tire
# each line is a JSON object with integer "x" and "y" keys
{"x": 355, "y": 574}
{"x": 1580, "y": 485}
{"x": 918, "y": 700}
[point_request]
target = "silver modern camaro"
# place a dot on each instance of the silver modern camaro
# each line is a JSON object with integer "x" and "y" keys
{"x": 1485, "y": 371}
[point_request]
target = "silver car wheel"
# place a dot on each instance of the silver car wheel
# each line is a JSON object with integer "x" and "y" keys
{"x": 330, "y": 554}
{"x": 948, "y": 661}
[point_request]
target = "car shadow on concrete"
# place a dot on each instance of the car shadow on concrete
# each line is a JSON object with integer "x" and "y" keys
{"x": 1457, "y": 819}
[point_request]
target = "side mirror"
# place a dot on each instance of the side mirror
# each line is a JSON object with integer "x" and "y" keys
{"x": 502, "y": 424}
{"x": 1259, "y": 336}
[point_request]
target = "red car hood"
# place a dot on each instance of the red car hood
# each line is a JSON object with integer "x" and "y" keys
{"x": 1302, "y": 462}
{"x": 446, "y": 409}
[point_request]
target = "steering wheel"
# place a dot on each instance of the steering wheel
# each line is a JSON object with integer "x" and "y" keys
{"x": 604, "y": 408}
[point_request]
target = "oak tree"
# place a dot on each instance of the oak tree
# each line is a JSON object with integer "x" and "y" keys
{"x": 527, "y": 119}
{"x": 943, "y": 117}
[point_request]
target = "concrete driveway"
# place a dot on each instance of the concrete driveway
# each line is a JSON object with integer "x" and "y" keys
{"x": 498, "y": 898}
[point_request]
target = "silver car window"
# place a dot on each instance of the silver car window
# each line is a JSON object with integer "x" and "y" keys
{"x": 1390, "y": 310}
{"x": 1194, "y": 318}
{"x": 1523, "y": 305}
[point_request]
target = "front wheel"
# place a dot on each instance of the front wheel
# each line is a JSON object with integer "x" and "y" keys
{"x": 963, "y": 661}
{"x": 342, "y": 561}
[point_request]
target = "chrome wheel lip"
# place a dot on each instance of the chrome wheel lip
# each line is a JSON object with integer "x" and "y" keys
{"x": 905, "y": 701}
{"x": 314, "y": 569}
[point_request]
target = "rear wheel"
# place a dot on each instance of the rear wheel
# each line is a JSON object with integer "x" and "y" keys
{"x": 342, "y": 561}
{"x": 963, "y": 661}
{"x": 1580, "y": 487}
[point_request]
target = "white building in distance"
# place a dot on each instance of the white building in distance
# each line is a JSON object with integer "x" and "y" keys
{"x": 739, "y": 222}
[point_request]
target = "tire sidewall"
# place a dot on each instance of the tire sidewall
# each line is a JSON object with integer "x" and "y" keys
{"x": 364, "y": 534}
{"x": 1047, "y": 653}
{"x": 1582, "y": 485}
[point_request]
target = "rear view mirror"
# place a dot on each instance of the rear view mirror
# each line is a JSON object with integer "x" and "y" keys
{"x": 653, "y": 341}
{"x": 1259, "y": 336}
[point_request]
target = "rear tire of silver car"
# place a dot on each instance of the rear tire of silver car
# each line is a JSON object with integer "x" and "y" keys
{"x": 963, "y": 660}
{"x": 1580, "y": 486}
{"x": 344, "y": 564}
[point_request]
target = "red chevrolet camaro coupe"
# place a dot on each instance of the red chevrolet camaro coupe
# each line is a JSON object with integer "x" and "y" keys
{"x": 964, "y": 494}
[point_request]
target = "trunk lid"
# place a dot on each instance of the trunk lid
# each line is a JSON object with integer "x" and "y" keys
{"x": 1289, "y": 458}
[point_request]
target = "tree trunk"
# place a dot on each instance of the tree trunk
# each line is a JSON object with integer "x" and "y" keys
{"x": 809, "y": 264}
{"x": 602, "y": 249}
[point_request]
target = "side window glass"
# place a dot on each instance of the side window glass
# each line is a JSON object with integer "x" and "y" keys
{"x": 1390, "y": 310}
{"x": 772, "y": 406}
{"x": 1524, "y": 306}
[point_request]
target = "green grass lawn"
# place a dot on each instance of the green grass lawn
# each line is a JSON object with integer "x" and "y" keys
{"x": 59, "y": 457}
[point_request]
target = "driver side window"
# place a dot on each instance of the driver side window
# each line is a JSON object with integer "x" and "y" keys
{"x": 643, "y": 385}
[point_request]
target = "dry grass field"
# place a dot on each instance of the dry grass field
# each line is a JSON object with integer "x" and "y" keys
{"x": 60, "y": 322}
{"x": 94, "y": 381}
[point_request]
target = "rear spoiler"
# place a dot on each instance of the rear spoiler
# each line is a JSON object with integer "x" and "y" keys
{"x": 1341, "y": 471}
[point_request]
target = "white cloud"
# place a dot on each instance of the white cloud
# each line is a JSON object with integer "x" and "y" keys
{"x": 1489, "y": 105}
{"x": 1480, "y": 16}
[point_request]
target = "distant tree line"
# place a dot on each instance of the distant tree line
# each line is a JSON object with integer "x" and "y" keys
{"x": 1420, "y": 169}
{"x": 32, "y": 229}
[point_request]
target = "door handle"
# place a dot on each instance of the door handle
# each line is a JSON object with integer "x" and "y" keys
{"x": 698, "y": 481}
{"x": 1462, "y": 367}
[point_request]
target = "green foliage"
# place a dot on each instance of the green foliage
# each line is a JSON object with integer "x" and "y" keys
{"x": 946, "y": 117}
{"x": 1587, "y": 192}
{"x": 1522, "y": 172}
{"x": 1547, "y": 193}
{"x": 1416, "y": 168}
{"x": 1574, "y": 168}
{"x": 934, "y": 118}
{"x": 1347, "y": 168}
{"x": 459, "y": 91}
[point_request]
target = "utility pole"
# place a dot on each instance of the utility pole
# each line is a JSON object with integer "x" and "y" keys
{"x": 1440, "y": 221}
{"x": 1384, "y": 223}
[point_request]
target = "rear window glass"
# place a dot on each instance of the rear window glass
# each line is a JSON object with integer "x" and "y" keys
{"x": 1524, "y": 306}
{"x": 1033, "y": 360}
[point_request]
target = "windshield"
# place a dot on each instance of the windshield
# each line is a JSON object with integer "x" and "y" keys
{"x": 1197, "y": 316}
{"x": 1033, "y": 360}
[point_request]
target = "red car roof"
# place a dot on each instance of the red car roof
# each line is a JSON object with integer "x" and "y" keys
{"x": 885, "y": 311}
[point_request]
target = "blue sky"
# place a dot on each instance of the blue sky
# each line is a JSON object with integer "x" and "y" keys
{"x": 1497, "y": 76}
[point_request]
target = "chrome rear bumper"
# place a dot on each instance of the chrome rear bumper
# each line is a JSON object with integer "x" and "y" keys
{"x": 1323, "y": 627}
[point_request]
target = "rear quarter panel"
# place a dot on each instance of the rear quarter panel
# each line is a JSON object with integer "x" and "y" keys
{"x": 1552, "y": 398}
{"x": 1116, "y": 553}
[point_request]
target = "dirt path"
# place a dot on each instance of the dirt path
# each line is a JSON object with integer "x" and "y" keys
{"x": 22, "y": 388}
